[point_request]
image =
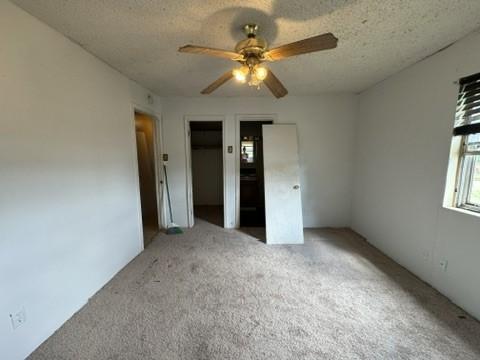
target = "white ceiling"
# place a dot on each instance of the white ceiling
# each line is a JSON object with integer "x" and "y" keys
{"x": 376, "y": 37}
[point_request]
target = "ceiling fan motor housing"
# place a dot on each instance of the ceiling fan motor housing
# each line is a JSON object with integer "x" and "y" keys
{"x": 253, "y": 45}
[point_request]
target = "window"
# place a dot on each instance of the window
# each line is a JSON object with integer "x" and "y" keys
{"x": 248, "y": 151}
{"x": 467, "y": 126}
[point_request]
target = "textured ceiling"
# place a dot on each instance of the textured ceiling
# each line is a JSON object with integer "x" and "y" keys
{"x": 376, "y": 37}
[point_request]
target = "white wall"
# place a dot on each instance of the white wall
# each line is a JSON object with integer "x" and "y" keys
{"x": 68, "y": 187}
{"x": 325, "y": 127}
{"x": 207, "y": 167}
{"x": 402, "y": 150}
{"x": 207, "y": 174}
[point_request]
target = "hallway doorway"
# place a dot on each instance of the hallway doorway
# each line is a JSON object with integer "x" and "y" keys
{"x": 145, "y": 131}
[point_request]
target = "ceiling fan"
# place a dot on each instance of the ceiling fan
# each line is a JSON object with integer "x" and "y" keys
{"x": 253, "y": 51}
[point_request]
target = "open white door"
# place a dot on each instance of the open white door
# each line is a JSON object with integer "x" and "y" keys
{"x": 283, "y": 203}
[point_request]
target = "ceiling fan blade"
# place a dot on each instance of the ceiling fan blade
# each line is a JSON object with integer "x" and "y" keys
{"x": 217, "y": 83}
{"x": 193, "y": 49}
{"x": 305, "y": 46}
{"x": 275, "y": 86}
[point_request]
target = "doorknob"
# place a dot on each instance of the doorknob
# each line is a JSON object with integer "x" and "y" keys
{"x": 296, "y": 187}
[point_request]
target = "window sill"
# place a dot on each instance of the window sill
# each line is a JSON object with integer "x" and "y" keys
{"x": 463, "y": 211}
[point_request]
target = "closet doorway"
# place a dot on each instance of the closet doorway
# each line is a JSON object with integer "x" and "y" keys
{"x": 207, "y": 167}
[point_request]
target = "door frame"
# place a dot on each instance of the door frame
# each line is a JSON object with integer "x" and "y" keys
{"x": 159, "y": 181}
{"x": 238, "y": 119}
{"x": 188, "y": 163}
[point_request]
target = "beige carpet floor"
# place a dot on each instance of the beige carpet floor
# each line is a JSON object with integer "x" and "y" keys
{"x": 221, "y": 294}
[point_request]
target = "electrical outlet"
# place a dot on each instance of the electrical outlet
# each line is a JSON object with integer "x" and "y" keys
{"x": 444, "y": 264}
{"x": 426, "y": 255}
{"x": 19, "y": 318}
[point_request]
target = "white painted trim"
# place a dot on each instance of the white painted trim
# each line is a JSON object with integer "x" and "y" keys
{"x": 158, "y": 150}
{"x": 188, "y": 164}
{"x": 161, "y": 177}
{"x": 137, "y": 180}
{"x": 462, "y": 211}
{"x": 453, "y": 172}
{"x": 239, "y": 118}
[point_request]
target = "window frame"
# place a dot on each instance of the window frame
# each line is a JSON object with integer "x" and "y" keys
{"x": 465, "y": 175}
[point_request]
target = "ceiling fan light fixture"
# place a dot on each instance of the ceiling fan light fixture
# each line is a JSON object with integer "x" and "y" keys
{"x": 261, "y": 72}
{"x": 254, "y": 81}
{"x": 240, "y": 74}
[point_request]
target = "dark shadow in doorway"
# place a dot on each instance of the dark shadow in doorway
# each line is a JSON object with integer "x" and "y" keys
{"x": 256, "y": 232}
{"x": 210, "y": 213}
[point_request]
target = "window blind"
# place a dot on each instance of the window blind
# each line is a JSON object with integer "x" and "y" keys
{"x": 467, "y": 116}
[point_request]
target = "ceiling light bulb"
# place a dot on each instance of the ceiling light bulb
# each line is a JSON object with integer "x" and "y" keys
{"x": 261, "y": 72}
{"x": 254, "y": 81}
{"x": 240, "y": 74}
